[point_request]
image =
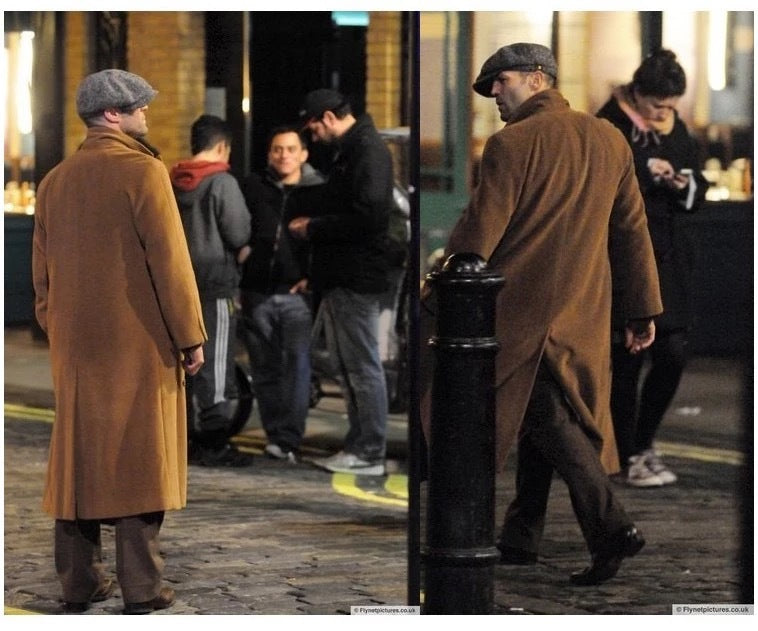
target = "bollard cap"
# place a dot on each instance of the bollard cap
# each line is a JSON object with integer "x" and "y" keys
{"x": 465, "y": 263}
{"x": 466, "y": 270}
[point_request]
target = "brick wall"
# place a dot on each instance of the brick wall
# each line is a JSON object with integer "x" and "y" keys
{"x": 167, "y": 48}
{"x": 384, "y": 76}
{"x": 76, "y": 51}
{"x": 383, "y": 68}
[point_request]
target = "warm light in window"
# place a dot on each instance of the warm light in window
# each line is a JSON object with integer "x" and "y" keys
{"x": 24, "y": 83}
{"x": 717, "y": 21}
{"x": 4, "y": 73}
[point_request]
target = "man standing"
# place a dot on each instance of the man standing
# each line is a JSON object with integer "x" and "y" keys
{"x": 348, "y": 234}
{"x": 276, "y": 315}
{"x": 556, "y": 207}
{"x": 117, "y": 298}
{"x": 217, "y": 226}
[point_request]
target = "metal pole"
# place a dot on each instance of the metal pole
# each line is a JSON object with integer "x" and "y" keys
{"x": 460, "y": 552}
{"x": 415, "y": 452}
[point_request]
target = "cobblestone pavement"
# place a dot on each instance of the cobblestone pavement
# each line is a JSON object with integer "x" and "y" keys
{"x": 272, "y": 538}
{"x": 281, "y": 539}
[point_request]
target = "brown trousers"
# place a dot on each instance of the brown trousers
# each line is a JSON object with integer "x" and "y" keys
{"x": 551, "y": 440}
{"x": 79, "y": 560}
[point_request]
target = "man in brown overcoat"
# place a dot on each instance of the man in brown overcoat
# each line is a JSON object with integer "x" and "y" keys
{"x": 556, "y": 206}
{"x": 116, "y": 295}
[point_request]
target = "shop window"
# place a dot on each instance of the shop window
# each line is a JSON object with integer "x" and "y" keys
{"x": 18, "y": 151}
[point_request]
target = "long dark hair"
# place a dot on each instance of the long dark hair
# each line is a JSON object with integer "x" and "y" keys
{"x": 660, "y": 75}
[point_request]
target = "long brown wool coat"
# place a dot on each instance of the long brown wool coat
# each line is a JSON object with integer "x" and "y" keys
{"x": 116, "y": 294}
{"x": 554, "y": 241}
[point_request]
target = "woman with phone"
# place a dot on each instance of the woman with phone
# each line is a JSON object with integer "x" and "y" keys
{"x": 671, "y": 182}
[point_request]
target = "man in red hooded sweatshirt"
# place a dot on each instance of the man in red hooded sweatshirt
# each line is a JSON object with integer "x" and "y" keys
{"x": 217, "y": 226}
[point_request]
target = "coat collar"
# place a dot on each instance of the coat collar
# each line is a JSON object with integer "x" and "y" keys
{"x": 353, "y": 135}
{"x": 96, "y": 135}
{"x": 545, "y": 101}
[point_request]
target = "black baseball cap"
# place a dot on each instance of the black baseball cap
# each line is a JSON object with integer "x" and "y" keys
{"x": 319, "y": 101}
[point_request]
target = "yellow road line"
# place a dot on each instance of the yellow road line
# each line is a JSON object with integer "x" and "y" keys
{"x": 345, "y": 484}
{"x": 397, "y": 485}
{"x": 14, "y": 611}
{"x": 678, "y": 450}
{"x": 28, "y": 413}
{"x": 704, "y": 454}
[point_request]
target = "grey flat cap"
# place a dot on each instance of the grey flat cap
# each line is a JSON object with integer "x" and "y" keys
{"x": 112, "y": 88}
{"x": 522, "y": 56}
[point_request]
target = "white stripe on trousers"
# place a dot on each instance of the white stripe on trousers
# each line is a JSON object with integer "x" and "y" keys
{"x": 221, "y": 349}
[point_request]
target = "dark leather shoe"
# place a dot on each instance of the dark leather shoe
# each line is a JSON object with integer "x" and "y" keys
{"x": 103, "y": 592}
{"x": 606, "y": 563}
{"x": 226, "y": 456}
{"x": 163, "y": 600}
{"x": 516, "y": 556}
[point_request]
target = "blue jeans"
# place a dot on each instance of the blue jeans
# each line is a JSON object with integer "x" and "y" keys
{"x": 351, "y": 325}
{"x": 277, "y": 334}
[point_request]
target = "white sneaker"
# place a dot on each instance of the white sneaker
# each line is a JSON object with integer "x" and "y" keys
{"x": 275, "y": 451}
{"x": 343, "y": 462}
{"x": 655, "y": 464}
{"x": 638, "y": 474}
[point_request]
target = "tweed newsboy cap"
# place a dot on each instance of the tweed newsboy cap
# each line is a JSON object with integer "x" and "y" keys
{"x": 319, "y": 101}
{"x": 522, "y": 56}
{"x": 112, "y": 88}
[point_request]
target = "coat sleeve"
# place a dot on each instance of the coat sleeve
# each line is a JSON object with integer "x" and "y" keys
{"x": 485, "y": 220}
{"x": 167, "y": 256}
{"x": 233, "y": 216}
{"x": 635, "y": 274}
{"x": 40, "y": 277}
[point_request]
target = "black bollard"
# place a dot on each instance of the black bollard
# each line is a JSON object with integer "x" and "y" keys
{"x": 460, "y": 552}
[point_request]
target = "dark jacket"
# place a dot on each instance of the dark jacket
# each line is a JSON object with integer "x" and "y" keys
{"x": 348, "y": 230}
{"x": 216, "y": 223}
{"x": 665, "y": 211}
{"x": 277, "y": 260}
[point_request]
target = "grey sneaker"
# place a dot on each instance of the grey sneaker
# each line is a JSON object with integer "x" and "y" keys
{"x": 343, "y": 462}
{"x": 638, "y": 474}
{"x": 275, "y": 451}
{"x": 653, "y": 462}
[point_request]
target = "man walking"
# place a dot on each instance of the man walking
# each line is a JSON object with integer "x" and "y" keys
{"x": 217, "y": 226}
{"x": 276, "y": 313}
{"x": 116, "y": 295}
{"x": 348, "y": 235}
{"x": 557, "y": 206}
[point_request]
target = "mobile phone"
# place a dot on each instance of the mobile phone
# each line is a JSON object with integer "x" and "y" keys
{"x": 685, "y": 171}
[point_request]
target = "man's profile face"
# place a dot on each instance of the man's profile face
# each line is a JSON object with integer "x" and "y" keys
{"x": 510, "y": 89}
{"x": 286, "y": 154}
{"x": 134, "y": 123}
{"x": 323, "y": 129}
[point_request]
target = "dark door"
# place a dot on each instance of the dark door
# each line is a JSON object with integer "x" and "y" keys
{"x": 292, "y": 53}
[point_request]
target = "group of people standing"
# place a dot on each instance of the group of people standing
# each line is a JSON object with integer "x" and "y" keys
{"x": 137, "y": 272}
{"x": 289, "y": 241}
